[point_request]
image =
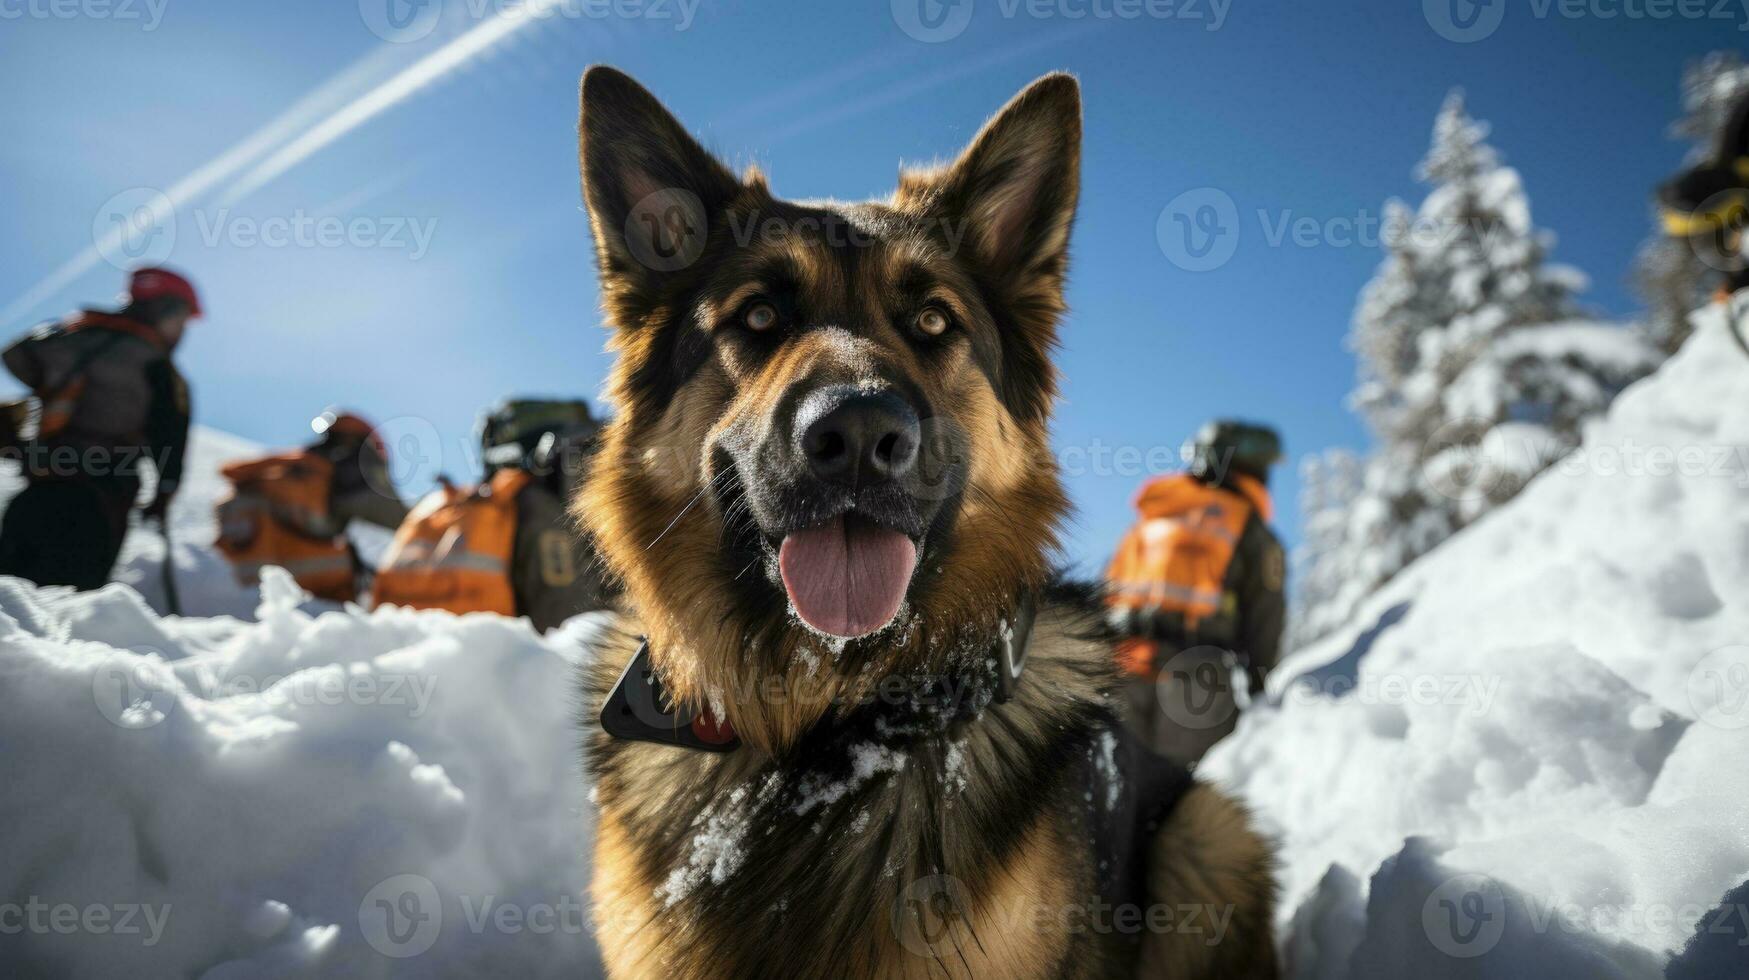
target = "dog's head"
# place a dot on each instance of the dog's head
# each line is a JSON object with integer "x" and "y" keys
{"x": 830, "y": 459}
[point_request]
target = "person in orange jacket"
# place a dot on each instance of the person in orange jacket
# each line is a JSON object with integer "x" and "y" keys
{"x": 1197, "y": 588}
{"x": 292, "y": 509}
{"x": 506, "y": 545}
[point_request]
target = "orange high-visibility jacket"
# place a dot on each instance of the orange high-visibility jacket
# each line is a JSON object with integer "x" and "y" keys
{"x": 1176, "y": 556}
{"x": 277, "y": 514}
{"x": 454, "y": 549}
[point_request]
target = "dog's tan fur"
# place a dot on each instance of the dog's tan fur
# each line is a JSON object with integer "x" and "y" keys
{"x": 818, "y": 883}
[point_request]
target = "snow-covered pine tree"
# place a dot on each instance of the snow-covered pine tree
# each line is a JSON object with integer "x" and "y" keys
{"x": 1669, "y": 276}
{"x": 1330, "y": 483}
{"x": 1476, "y": 372}
{"x": 1463, "y": 270}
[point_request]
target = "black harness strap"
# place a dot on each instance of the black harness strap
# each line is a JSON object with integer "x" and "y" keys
{"x": 639, "y": 709}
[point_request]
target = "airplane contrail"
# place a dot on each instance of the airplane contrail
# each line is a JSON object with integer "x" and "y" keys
{"x": 303, "y": 130}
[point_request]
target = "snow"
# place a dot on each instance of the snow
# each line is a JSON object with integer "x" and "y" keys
{"x": 339, "y": 794}
{"x": 1524, "y": 756}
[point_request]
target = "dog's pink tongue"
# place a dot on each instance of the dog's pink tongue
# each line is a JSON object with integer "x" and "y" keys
{"x": 846, "y": 580}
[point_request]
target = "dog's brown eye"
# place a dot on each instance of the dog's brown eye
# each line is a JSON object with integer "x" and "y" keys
{"x": 760, "y": 317}
{"x": 932, "y": 322}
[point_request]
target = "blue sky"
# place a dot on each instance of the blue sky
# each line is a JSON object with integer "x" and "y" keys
{"x": 452, "y": 267}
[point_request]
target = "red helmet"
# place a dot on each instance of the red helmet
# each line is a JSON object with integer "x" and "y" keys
{"x": 151, "y": 283}
{"x": 339, "y": 424}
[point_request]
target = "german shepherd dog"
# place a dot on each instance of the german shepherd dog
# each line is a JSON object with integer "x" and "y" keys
{"x": 890, "y": 745}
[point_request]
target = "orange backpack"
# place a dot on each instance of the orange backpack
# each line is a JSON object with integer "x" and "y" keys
{"x": 276, "y": 515}
{"x": 1176, "y": 556}
{"x": 453, "y": 551}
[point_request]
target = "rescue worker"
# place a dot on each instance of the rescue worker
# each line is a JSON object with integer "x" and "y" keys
{"x": 106, "y": 395}
{"x": 1707, "y": 205}
{"x": 508, "y": 545}
{"x": 1197, "y": 588}
{"x": 292, "y": 509}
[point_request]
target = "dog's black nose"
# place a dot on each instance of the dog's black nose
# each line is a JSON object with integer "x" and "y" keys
{"x": 857, "y": 438}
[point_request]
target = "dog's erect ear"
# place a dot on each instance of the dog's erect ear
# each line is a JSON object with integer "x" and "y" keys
{"x": 1016, "y": 184}
{"x": 651, "y": 189}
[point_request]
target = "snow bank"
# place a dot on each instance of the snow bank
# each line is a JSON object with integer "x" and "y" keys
{"x": 342, "y": 794}
{"x": 1533, "y": 741}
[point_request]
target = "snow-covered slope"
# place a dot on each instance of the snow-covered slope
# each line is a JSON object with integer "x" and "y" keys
{"x": 340, "y": 795}
{"x": 1529, "y": 754}
{"x": 273, "y": 787}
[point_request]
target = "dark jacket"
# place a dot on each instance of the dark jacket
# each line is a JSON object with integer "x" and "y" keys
{"x": 134, "y": 402}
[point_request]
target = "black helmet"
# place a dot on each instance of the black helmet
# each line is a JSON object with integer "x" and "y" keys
{"x": 1227, "y": 445}
{"x": 1711, "y": 198}
{"x": 510, "y": 433}
{"x": 564, "y": 454}
{"x": 336, "y": 425}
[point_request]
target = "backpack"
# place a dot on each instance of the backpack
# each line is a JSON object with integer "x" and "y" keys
{"x": 454, "y": 550}
{"x": 277, "y": 514}
{"x": 1175, "y": 558}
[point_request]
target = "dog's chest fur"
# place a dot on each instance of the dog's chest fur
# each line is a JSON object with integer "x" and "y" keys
{"x": 895, "y": 844}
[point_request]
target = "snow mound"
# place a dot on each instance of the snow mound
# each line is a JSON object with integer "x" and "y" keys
{"x": 1532, "y": 741}
{"x": 339, "y": 794}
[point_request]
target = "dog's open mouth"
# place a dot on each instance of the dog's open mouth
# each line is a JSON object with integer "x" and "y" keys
{"x": 848, "y": 576}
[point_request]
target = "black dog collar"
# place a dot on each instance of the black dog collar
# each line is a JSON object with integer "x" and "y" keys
{"x": 638, "y": 709}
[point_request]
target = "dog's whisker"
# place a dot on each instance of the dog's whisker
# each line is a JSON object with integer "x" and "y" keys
{"x": 689, "y": 504}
